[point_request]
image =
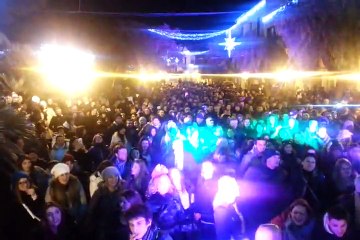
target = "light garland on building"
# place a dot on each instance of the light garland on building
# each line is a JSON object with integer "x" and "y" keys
{"x": 203, "y": 36}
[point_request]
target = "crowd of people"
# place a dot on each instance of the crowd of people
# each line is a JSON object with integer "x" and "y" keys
{"x": 190, "y": 161}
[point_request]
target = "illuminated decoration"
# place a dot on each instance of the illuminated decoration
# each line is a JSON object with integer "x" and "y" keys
{"x": 204, "y": 36}
{"x": 186, "y": 36}
{"x": 67, "y": 68}
{"x": 271, "y": 15}
{"x": 188, "y": 53}
{"x": 229, "y": 44}
{"x": 243, "y": 18}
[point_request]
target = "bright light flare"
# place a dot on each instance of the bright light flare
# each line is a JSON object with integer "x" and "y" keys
{"x": 322, "y": 132}
{"x": 207, "y": 170}
{"x": 228, "y": 191}
{"x": 67, "y": 68}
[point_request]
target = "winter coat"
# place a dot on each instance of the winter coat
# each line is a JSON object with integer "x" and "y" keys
{"x": 97, "y": 154}
{"x": 168, "y": 212}
{"x": 105, "y": 214}
{"x": 310, "y": 186}
{"x": 229, "y": 223}
{"x": 154, "y": 233}
{"x": 70, "y": 197}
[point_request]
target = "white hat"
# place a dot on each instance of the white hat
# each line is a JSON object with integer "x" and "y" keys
{"x": 59, "y": 169}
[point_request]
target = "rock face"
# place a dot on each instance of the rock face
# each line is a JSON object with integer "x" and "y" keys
{"x": 321, "y": 32}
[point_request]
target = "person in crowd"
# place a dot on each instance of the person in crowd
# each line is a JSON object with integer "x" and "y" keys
{"x": 146, "y": 152}
{"x": 336, "y": 225}
{"x": 114, "y": 127}
{"x": 252, "y": 157}
{"x": 79, "y": 152}
{"x": 59, "y": 148}
{"x": 166, "y": 206}
{"x": 55, "y": 224}
{"x": 290, "y": 160}
{"x": 119, "y": 137}
{"x": 27, "y": 193}
{"x": 128, "y": 199}
{"x": 104, "y": 208}
{"x": 351, "y": 203}
{"x": 121, "y": 162}
{"x": 342, "y": 181}
{"x": 37, "y": 175}
{"x": 98, "y": 152}
{"x": 66, "y": 191}
{"x": 204, "y": 195}
{"x": 229, "y": 221}
{"x": 96, "y": 177}
{"x": 309, "y": 183}
{"x": 139, "y": 179}
{"x": 140, "y": 221}
{"x": 297, "y": 222}
{"x": 270, "y": 176}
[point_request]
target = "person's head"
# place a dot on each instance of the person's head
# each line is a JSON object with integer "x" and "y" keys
{"x": 97, "y": 139}
{"x": 156, "y": 122}
{"x": 118, "y": 119}
{"x": 260, "y": 145}
{"x": 161, "y": 184}
{"x": 153, "y": 131}
{"x": 25, "y": 164}
{"x": 227, "y": 191}
{"x": 336, "y": 221}
{"x": 144, "y": 144}
{"x": 111, "y": 177}
{"x": 61, "y": 172}
{"x": 128, "y": 199}
{"x": 268, "y": 232}
{"x": 60, "y": 140}
{"x": 53, "y": 215}
{"x": 134, "y": 153}
{"x": 139, "y": 218}
{"x": 209, "y": 122}
{"x": 300, "y": 212}
{"x": 288, "y": 148}
{"x": 272, "y": 158}
{"x": 139, "y": 168}
{"x": 233, "y": 123}
{"x": 309, "y": 163}
{"x": 247, "y": 122}
{"x": 121, "y": 153}
{"x": 20, "y": 181}
{"x": 343, "y": 168}
{"x": 142, "y": 121}
{"x": 69, "y": 160}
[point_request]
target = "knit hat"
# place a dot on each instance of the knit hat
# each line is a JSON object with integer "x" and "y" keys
{"x": 17, "y": 176}
{"x": 59, "y": 169}
{"x": 110, "y": 172}
{"x": 268, "y": 153}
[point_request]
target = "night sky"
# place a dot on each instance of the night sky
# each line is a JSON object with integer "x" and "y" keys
{"x": 151, "y": 5}
{"x": 232, "y": 10}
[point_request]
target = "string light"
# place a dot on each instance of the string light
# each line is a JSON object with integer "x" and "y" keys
{"x": 271, "y": 15}
{"x": 203, "y": 36}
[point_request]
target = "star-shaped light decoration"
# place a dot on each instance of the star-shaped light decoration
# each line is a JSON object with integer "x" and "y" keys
{"x": 229, "y": 44}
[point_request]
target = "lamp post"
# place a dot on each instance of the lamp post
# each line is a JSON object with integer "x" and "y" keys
{"x": 79, "y": 6}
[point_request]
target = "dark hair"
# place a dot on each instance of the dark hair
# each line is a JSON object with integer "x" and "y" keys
{"x": 302, "y": 202}
{"x": 137, "y": 211}
{"x": 133, "y": 197}
{"x": 339, "y": 213}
